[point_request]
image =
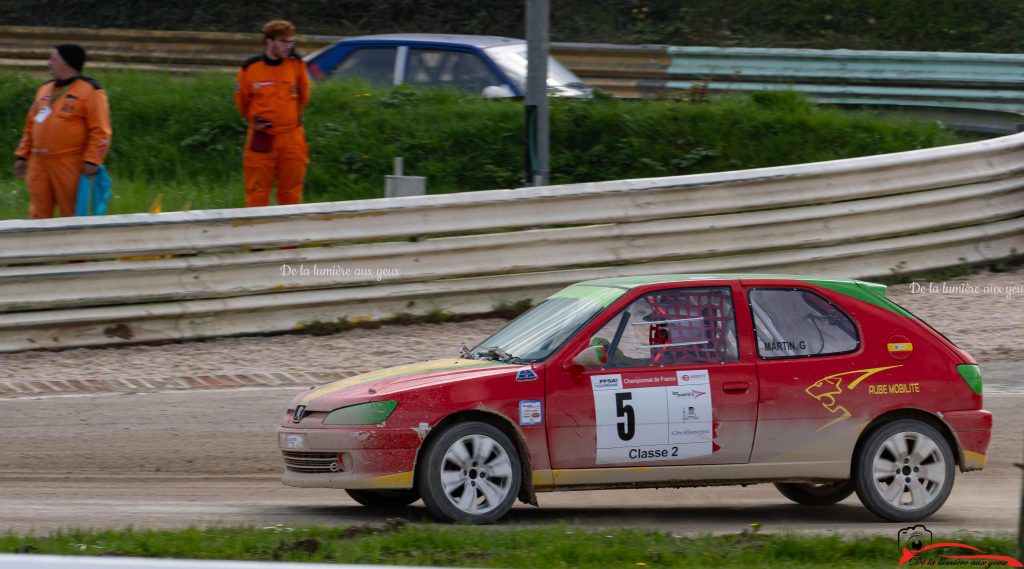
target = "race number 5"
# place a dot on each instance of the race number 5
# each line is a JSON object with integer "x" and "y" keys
{"x": 627, "y": 428}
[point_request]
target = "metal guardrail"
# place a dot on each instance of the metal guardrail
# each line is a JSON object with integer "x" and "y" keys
{"x": 145, "y": 277}
{"x": 982, "y": 89}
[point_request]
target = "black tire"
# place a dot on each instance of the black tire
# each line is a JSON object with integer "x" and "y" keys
{"x": 922, "y": 467}
{"x": 384, "y": 498}
{"x": 482, "y": 470}
{"x": 824, "y": 494}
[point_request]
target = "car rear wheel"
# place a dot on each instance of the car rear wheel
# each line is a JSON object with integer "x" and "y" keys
{"x": 824, "y": 494}
{"x": 470, "y": 473}
{"x": 904, "y": 471}
{"x": 384, "y": 498}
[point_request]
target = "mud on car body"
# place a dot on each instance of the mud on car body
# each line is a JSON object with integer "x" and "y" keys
{"x": 821, "y": 386}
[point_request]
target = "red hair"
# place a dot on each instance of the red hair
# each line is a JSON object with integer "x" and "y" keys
{"x": 275, "y": 29}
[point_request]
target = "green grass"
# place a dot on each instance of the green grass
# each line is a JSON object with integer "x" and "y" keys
{"x": 394, "y": 542}
{"x": 181, "y": 138}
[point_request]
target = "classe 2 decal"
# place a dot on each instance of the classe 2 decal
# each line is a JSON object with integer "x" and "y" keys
{"x": 643, "y": 417}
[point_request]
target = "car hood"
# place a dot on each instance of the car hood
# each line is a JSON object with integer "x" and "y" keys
{"x": 378, "y": 384}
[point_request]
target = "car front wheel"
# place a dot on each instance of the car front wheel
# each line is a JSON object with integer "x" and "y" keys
{"x": 824, "y": 494}
{"x": 470, "y": 473}
{"x": 904, "y": 471}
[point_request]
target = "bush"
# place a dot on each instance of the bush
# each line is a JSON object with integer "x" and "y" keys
{"x": 182, "y": 137}
{"x": 925, "y": 25}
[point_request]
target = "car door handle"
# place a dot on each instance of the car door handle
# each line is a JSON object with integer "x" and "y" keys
{"x": 735, "y": 387}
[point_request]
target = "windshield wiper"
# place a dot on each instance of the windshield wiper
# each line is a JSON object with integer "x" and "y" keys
{"x": 464, "y": 352}
{"x": 495, "y": 353}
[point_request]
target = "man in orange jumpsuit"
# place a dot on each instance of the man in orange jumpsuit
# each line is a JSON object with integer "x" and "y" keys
{"x": 271, "y": 91}
{"x": 67, "y": 134}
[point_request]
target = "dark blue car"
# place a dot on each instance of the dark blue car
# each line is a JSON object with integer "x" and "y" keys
{"x": 486, "y": 65}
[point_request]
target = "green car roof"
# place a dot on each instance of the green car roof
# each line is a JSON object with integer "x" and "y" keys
{"x": 605, "y": 291}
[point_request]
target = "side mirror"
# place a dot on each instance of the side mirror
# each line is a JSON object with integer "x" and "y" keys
{"x": 591, "y": 356}
{"x": 498, "y": 92}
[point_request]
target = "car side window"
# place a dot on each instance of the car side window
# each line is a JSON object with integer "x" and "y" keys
{"x": 672, "y": 327}
{"x": 376, "y": 65}
{"x": 443, "y": 68}
{"x": 791, "y": 323}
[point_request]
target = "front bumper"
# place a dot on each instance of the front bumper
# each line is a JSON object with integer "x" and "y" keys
{"x": 365, "y": 457}
{"x": 973, "y": 430}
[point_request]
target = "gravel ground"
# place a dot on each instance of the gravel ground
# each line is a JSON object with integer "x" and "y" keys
{"x": 982, "y": 313}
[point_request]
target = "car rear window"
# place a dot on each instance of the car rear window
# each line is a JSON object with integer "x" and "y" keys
{"x": 375, "y": 65}
{"x": 446, "y": 68}
{"x": 794, "y": 323}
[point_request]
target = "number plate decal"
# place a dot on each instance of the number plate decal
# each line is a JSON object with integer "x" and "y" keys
{"x": 652, "y": 417}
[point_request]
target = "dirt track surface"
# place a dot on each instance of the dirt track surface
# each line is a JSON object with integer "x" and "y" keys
{"x": 183, "y": 434}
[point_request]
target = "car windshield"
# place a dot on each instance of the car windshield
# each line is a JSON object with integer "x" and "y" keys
{"x": 512, "y": 59}
{"x": 540, "y": 331}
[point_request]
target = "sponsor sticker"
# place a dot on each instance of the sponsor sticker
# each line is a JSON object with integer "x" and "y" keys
{"x": 693, "y": 376}
{"x": 829, "y": 389}
{"x": 531, "y": 412}
{"x": 899, "y": 347}
{"x": 653, "y": 417}
{"x": 607, "y": 381}
{"x": 526, "y": 374}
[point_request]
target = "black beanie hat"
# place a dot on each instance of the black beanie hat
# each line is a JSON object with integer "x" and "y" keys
{"x": 72, "y": 54}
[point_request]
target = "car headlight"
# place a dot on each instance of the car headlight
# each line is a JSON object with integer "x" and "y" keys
{"x": 363, "y": 414}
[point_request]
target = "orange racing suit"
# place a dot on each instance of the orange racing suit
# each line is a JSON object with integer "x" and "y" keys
{"x": 274, "y": 92}
{"x": 67, "y": 126}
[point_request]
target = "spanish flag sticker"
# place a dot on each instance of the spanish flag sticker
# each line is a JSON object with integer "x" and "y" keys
{"x": 900, "y": 347}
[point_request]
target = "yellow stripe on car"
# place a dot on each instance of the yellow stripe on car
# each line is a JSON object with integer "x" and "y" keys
{"x": 389, "y": 373}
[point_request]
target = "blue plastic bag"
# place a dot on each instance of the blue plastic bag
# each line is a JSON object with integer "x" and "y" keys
{"x": 93, "y": 193}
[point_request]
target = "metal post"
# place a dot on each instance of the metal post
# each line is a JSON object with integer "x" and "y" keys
{"x": 399, "y": 185}
{"x": 538, "y": 169}
{"x": 1020, "y": 519}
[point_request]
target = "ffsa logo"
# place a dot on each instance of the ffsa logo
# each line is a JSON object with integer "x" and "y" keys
{"x": 609, "y": 381}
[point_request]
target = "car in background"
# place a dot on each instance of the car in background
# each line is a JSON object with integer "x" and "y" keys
{"x": 821, "y": 386}
{"x": 485, "y": 65}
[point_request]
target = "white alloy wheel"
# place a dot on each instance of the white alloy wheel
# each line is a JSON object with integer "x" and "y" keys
{"x": 905, "y": 471}
{"x": 471, "y": 473}
{"x": 477, "y": 474}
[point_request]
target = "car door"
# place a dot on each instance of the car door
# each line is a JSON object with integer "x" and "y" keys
{"x": 673, "y": 391}
{"x": 810, "y": 367}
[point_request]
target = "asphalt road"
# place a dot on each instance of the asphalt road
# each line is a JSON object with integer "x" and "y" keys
{"x": 209, "y": 457}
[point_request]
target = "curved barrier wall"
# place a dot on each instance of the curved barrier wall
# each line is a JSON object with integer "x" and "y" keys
{"x": 146, "y": 277}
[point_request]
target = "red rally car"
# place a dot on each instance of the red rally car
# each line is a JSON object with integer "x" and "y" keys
{"x": 821, "y": 386}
